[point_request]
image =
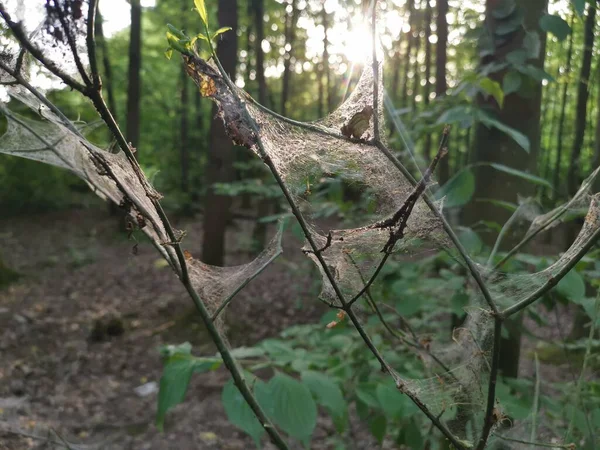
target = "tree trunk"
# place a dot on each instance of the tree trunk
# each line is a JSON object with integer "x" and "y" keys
{"x": 259, "y": 12}
{"x": 427, "y": 87}
{"x": 409, "y": 45}
{"x": 220, "y": 156}
{"x": 260, "y": 229}
{"x": 582, "y": 99}
{"x": 494, "y": 146}
{"x": 596, "y": 158}
{"x": 441, "y": 60}
{"x": 416, "y": 66}
{"x": 561, "y": 120}
{"x": 184, "y": 143}
{"x": 107, "y": 82}
{"x": 134, "y": 85}
{"x": 326, "y": 69}
{"x": 291, "y": 21}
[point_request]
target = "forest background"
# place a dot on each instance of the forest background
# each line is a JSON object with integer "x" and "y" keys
{"x": 525, "y": 135}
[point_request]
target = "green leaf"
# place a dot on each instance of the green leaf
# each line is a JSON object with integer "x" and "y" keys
{"x": 328, "y": 393}
{"x": 470, "y": 240}
{"x": 294, "y": 409}
{"x": 555, "y": 25}
{"x": 524, "y": 175}
{"x": 504, "y": 9}
{"x": 457, "y": 114}
{"x": 390, "y": 399}
{"x": 458, "y": 302}
{"x": 378, "y": 426}
{"x": 517, "y": 136}
{"x": 579, "y": 6}
{"x": 511, "y": 82}
{"x": 572, "y": 286}
{"x": 532, "y": 44}
{"x": 458, "y": 190}
{"x": 175, "y": 32}
{"x": 239, "y": 412}
{"x": 201, "y": 8}
{"x": 173, "y": 385}
{"x": 494, "y": 89}
{"x": 220, "y": 31}
{"x": 169, "y": 53}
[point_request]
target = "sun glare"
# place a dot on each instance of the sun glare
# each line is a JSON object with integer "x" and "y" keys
{"x": 358, "y": 44}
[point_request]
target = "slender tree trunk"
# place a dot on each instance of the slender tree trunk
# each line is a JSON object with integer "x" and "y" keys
{"x": 260, "y": 229}
{"x": 259, "y": 12}
{"x": 427, "y": 87}
{"x": 416, "y": 65}
{"x": 199, "y": 155}
{"x": 561, "y": 120}
{"x": 134, "y": 85}
{"x": 321, "y": 93}
{"x": 582, "y": 99}
{"x": 326, "y": 69}
{"x": 441, "y": 60}
{"x": 184, "y": 142}
{"x": 409, "y": 46}
{"x": 107, "y": 82}
{"x": 291, "y": 21}
{"x": 596, "y": 158}
{"x": 220, "y": 156}
{"x": 249, "y": 31}
{"x": 493, "y": 146}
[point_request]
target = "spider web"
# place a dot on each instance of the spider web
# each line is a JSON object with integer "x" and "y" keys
{"x": 310, "y": 155}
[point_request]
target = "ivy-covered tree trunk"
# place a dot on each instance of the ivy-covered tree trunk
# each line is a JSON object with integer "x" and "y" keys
{"x": 441, "y": 59}
{"x": 521, "y": 111}
{"x": 220, "y": 154}
{"x": 583, "y": 92}
{"x": 134, "y": 85}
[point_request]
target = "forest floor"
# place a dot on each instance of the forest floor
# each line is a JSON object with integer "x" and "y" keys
{"x": 58, "y": 372}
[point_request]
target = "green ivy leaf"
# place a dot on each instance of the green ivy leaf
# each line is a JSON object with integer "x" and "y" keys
{"x": 532, "y": 44}
{"x": 524, "y": 175}
{"x": 201, "y": 8}
{"x": 555, "y": 25}
{"x": 294, "y": 409}
{"x": 494, "y": 89}
{"x": 579, "y": 6}
{"x": 517, "y": 136}
{"x": 328, "y": 393}
{"x": 458, "y": 190}
{"x": 511, "y": 82}
{"x": 239, "y": 412}
{"x": 572, "y": 286}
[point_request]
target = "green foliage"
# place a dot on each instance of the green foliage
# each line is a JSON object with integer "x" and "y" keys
{"x": 555, "y": 25}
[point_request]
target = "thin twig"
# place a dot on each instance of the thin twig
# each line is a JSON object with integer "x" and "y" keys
{"x": 488, "y": 421}
{"x": 553, "y": 280}
{"x": 447, "y": 228}
{"x": 91, "y": 43}
{"x": 19, "y": 33}
{"x": 72, "y": 45}
{"x": 536, "y": 444}
{"x": 588, "y": 353}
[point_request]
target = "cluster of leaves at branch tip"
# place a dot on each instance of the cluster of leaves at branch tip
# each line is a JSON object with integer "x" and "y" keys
{"x": 185, "y": 44}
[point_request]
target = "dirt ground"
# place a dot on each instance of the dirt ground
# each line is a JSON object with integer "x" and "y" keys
{"x": 57, "y": 373}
